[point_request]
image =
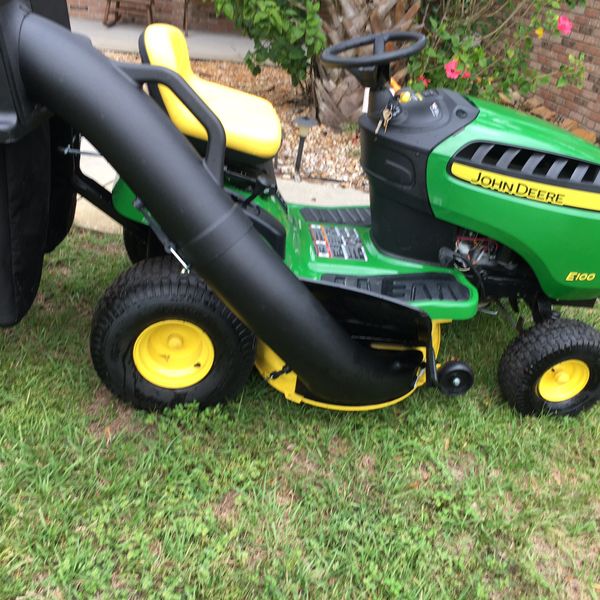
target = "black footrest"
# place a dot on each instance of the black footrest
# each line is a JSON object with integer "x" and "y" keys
{"x": 359, "y": 217}
{"x": 408, "y": 288}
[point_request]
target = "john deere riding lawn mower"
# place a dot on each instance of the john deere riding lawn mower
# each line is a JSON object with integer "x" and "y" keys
{"x": 471, "y": 204}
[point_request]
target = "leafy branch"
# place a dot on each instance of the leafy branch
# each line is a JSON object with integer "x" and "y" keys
{"x": 484, "y": 47}
{"x": 287, "y": 33}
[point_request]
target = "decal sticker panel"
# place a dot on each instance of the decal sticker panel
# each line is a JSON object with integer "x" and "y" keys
{"x": 576, "y": 276}
{"x": 527, "y": 189}
{"x": 337, "y": 241}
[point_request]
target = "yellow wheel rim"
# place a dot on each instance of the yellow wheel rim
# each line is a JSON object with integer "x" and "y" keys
{"x": 173, "y": 354}
{"x": 564, "y": 381}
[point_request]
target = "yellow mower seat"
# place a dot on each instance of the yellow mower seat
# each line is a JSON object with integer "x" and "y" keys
{"x": 251, "y": 124}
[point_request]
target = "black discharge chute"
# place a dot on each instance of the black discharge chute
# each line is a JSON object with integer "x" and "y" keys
{"x": 52, "y": 69}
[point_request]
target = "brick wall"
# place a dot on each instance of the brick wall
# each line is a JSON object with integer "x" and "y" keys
{"x": 201, "y": 15}
{"x": 570, "y": 102}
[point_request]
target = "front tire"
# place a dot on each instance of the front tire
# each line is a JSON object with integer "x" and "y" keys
{"x": 160, "y": 338}
{"x": 552, "y": 368}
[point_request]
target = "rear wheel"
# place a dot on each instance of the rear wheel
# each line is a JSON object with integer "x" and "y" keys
{"x": 160, "y": 338}
{"x": 553, "y": 368}
{"x": 141, "y": 243}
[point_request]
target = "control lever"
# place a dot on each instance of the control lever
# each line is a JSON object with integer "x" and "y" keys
{"x": 265, "y": 186}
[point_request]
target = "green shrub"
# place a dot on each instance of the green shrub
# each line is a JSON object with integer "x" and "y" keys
{"x": 484, "y": 47}
{"x": 286, "y": 32}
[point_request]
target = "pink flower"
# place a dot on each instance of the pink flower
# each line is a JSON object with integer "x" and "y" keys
{"x": 424, "y": 80}
{"x": 564, "y": 25}
{"x": 452, "y": 71}
{"x": 466, "y": 74}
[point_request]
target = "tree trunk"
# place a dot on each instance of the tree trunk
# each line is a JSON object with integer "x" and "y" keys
{"x": 338, "y": 95}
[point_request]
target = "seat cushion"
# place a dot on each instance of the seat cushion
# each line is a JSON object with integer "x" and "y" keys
{"x": 251, "y": 124}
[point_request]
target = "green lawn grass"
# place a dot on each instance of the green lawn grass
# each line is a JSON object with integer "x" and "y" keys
{"x": 434, "y": 498}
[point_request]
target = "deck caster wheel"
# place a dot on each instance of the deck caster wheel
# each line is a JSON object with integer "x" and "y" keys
{"x": 455, "y": 378}
{"x": 552, "y": 368}
{"x": 160, "y": 338}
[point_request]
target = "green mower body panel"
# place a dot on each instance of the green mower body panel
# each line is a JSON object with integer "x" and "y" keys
{"x": 524, "y": 183}
{"x": 123, "y": 199}
{"x": 302, "y": 258}
{"x": 507, "y": 200}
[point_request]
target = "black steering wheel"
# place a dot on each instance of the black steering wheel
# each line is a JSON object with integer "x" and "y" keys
{"x": 379, "y": 56}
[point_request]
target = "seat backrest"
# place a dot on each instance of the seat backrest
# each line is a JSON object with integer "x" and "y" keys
{"x": 254, "y": 132}
{"x": 164, "y": 45}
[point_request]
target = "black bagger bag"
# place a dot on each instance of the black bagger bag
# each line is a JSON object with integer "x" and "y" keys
{"x": 25, "y": 180}
{"x": 37, "y": 202}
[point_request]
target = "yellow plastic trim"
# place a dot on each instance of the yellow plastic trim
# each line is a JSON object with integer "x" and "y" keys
{"x": 268, "y": 362}
{"x": 251, "y": 124}
{"x": 523, "y": 188}
{"x": 173, "y": 354}
{"x": 564, "y": 381}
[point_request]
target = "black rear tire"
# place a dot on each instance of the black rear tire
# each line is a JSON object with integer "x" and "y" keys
{"x": 155, "y": 292}
{"x": 539, "y": 352}
{"x": 141, "y": 243}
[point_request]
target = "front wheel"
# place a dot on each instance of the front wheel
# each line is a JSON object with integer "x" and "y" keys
{"x": 552, "y": 368}
{"x": 160, "y": 338}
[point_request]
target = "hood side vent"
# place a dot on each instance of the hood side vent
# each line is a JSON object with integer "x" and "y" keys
{"x": 532, "y": 164}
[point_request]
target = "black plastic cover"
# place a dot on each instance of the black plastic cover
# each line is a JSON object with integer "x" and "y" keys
{"x": 356, "y": 216}
{"x": 37, "y": 202}
{"x": 24, "y": 206}
{"x": 407, "y": 288}
{"x": 18, "y": 114}
{"x": 370, "y": 316}
{"x": 524, "y": 163}
{"x": 396, "y": 164}
{"x": 63, "y": 198}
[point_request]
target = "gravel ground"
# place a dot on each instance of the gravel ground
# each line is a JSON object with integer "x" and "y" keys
{"x": 328, "y": 154}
